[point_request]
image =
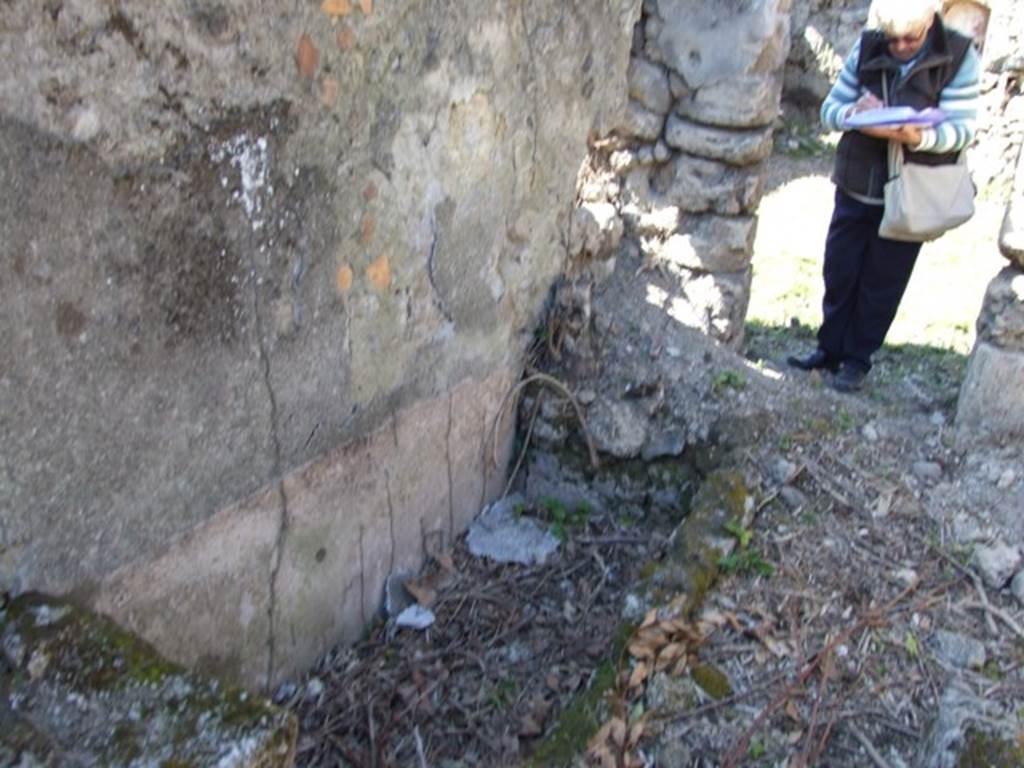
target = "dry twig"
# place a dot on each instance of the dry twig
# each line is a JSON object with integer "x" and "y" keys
{"x": 876, "y": 757}
{"x": 554, "y": 383}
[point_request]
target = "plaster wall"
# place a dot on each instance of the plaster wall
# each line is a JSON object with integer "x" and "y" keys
{"x": 266, "y": 273}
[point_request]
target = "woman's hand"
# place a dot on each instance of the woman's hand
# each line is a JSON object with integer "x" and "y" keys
{"x": 904, "y": 134}
{"x": 866, "y": 102}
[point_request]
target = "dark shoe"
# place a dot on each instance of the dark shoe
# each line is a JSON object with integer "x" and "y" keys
{"x": 849, "y": 379}
{"x": 818, "y": 359}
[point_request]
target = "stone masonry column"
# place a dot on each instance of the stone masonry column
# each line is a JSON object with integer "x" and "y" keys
{"x": 685, "y": 169}
{"x": 992, "y": 398}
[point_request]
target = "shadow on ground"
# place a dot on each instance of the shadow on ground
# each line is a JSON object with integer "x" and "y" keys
{"x": 905, "y": 376}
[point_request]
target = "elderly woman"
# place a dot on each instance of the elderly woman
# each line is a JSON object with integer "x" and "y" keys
{"x": 923, "y": 64}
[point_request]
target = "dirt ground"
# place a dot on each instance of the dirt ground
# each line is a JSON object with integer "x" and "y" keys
{"x": 849, "y": 622}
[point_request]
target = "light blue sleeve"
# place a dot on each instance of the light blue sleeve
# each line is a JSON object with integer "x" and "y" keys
{"x": 960, "y": 101}
{"x": 844, "y": 94}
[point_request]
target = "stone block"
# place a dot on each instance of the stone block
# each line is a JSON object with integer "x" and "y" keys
{"x": 1001, "y": 322}
{"x": 698, "y": 185}
{"x": 648, "y": 85}
{"x": 714, "y": 42}
{"x": 82, "y": 691}
{"x": 735, "y": 147}
{"x": 658, "y": 222}
{"x": 708, "y": 244}
{"x": 617, "y": 428}
{"x": 714, "y": 304}
{"x": 1011, "y": 237}
{"x": 641, "y": 123}
{"x": 997, "y": 562}
{"x": 991, "y": 400}
{"x": 747, "y": 101}
{"x": 596, "y": 231}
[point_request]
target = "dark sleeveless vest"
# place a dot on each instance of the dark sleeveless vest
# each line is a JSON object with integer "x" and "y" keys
{"x": 861, "y": 165}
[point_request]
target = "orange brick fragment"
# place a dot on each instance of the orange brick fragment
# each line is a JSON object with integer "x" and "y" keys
{"x": 346, "y": 38}
{"x": 379, "y": 273}
{"x": 307, "y": 57}
{"x": 344, "y": 278}
{"x": 367, "y": 229}
{"x": 367, "y": 6}
{"x": 329, "y": 91}
{"x": 336, "y": 7}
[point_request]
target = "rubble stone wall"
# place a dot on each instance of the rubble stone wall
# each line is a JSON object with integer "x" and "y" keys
{"x": 266, "y": 274}
{"x": 681, "y": 177}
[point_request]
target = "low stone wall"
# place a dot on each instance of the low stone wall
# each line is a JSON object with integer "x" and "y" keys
{"x": 684, "y": 170}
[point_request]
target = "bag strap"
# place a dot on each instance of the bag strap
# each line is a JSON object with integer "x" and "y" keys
{"x": 895, "y": 147}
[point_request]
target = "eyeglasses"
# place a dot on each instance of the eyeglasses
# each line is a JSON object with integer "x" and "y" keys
{"x": 907, "y": 39}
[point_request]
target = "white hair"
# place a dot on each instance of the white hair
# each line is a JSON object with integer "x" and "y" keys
{"x": 902, "y": 17}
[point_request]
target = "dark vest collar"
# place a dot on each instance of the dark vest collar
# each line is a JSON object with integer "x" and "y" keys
{"x": 876, "y": 56}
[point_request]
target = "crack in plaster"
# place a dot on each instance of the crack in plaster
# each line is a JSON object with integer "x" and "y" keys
{"x": 442, "y": 306}
{"x": 277, "y": 473}
{"x": 362, "y": 574}
{"x": 532, "y": 66}
{"x": 391, "y": 520}
{"x": 448, "y": 462}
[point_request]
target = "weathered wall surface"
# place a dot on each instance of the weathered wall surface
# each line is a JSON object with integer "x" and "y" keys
{"x": 684, "y": 171}
{"x": 266, "y": 272}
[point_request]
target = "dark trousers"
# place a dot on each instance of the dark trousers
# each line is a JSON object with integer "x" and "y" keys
{"x": 865, "y": 277}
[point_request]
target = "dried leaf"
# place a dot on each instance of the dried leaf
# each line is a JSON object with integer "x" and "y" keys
{"x": 673, "y": 651}
{"x": 307, "y": 57}
{"x": 336, "y": 7}
{"x": 643, "y": 650}
{"x": 716, "y": 619}
{"x": 793, "y": 712}
{"x": 617, "y": 732}
{"x": 640, "y": 673}
{"x": 650, "y": 619}
{"x": 635, "y": 734}
{"x": 778, "y": 648}
{"x": 445, "y": 561}
{"x": 600, "y": 739}
{"x": 652, "y": 635}
{"x": 680, "y": 668}
{"x": 421, "y": 592}
{"x": 552, "y": 682}
{"x": 633, "y": 761}
{"x": 529, "y": 728}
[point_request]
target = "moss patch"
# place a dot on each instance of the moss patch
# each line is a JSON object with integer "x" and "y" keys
{"x": 582, "y": 719}
{"x": 685, "y": 577}
{"x": 712, "y": 681}
{"x": 129, "y": 703}
{"x": 984, "y": 750}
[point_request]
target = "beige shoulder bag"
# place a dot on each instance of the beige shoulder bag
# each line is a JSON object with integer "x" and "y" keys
{"x": 922, "y": 202}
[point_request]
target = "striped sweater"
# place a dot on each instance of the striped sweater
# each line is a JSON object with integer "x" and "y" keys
{"x": 959, "y": 100}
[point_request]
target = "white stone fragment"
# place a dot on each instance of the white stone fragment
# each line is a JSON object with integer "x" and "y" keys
{"x": 416, "y": 617}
